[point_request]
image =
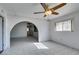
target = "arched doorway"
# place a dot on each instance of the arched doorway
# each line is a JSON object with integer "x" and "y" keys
{"x": 23, "y": 31}
{"x": 42, "y": 27}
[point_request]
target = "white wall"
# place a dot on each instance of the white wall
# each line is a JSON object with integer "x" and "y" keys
{"x": 19, "y": 30}
{"x": 68, "y": 38}
{"x": 41, "y": 24}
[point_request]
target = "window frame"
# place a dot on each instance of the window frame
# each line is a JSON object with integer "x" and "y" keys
{"x": 62, "y": 26}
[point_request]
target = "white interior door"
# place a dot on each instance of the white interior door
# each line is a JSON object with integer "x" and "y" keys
{"x": 0, "y": 33}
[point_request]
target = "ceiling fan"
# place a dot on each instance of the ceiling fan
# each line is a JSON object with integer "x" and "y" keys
{"x": 48, "y": 11}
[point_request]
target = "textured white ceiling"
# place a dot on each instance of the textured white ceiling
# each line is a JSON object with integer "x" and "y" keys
{"x": 27, "y": 9}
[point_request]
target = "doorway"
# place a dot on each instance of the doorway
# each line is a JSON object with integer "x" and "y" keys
{"x": 32, "y": 30}
{"x": 23, "y": 32}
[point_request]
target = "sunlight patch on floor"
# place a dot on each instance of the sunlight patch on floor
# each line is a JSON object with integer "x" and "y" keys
{"x": 40, "y": 46}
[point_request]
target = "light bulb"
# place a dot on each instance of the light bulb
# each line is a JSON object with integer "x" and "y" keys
{"x": 48, "y": 12}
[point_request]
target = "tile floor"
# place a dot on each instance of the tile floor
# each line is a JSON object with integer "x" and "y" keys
{"x": 26, "y": 46}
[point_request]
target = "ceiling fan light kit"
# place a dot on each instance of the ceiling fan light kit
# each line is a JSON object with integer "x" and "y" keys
{"x": 48, "y": 12}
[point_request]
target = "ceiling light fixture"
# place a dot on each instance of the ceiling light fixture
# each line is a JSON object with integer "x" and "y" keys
{"x": 48, "y": 12}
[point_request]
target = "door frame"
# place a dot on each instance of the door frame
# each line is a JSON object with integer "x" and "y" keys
{"x": 2, "y": 34}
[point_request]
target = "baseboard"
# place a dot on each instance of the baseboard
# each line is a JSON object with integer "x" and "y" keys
{"x": 17, "y": 37}
{"x": 64, "y": 45}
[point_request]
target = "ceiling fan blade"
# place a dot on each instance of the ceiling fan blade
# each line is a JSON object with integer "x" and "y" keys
{"x": 44, "y": 6}
{"x": 45, "y": 15}
{"x": 55, "y": 13}
{"x": 38, "y": 12}
{"x": 58, "y": 6}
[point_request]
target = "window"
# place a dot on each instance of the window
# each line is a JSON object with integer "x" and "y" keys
{"x": 27, "y": 29}
{"x": 63, "y": 26}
